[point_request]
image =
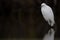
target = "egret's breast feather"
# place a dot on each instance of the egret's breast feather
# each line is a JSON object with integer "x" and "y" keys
{"x": 47, "y": 13}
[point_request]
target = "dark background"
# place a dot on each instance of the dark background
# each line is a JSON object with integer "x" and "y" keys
{"x": 23, "y": 18}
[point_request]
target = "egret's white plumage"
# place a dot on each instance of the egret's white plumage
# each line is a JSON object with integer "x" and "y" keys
{"x": 47, "y": 14}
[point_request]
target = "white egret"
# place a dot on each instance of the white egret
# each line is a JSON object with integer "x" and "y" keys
{"x": 47, "y": 13}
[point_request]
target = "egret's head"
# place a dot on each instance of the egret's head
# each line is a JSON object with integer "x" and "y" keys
{"x": 43, "y": 4}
